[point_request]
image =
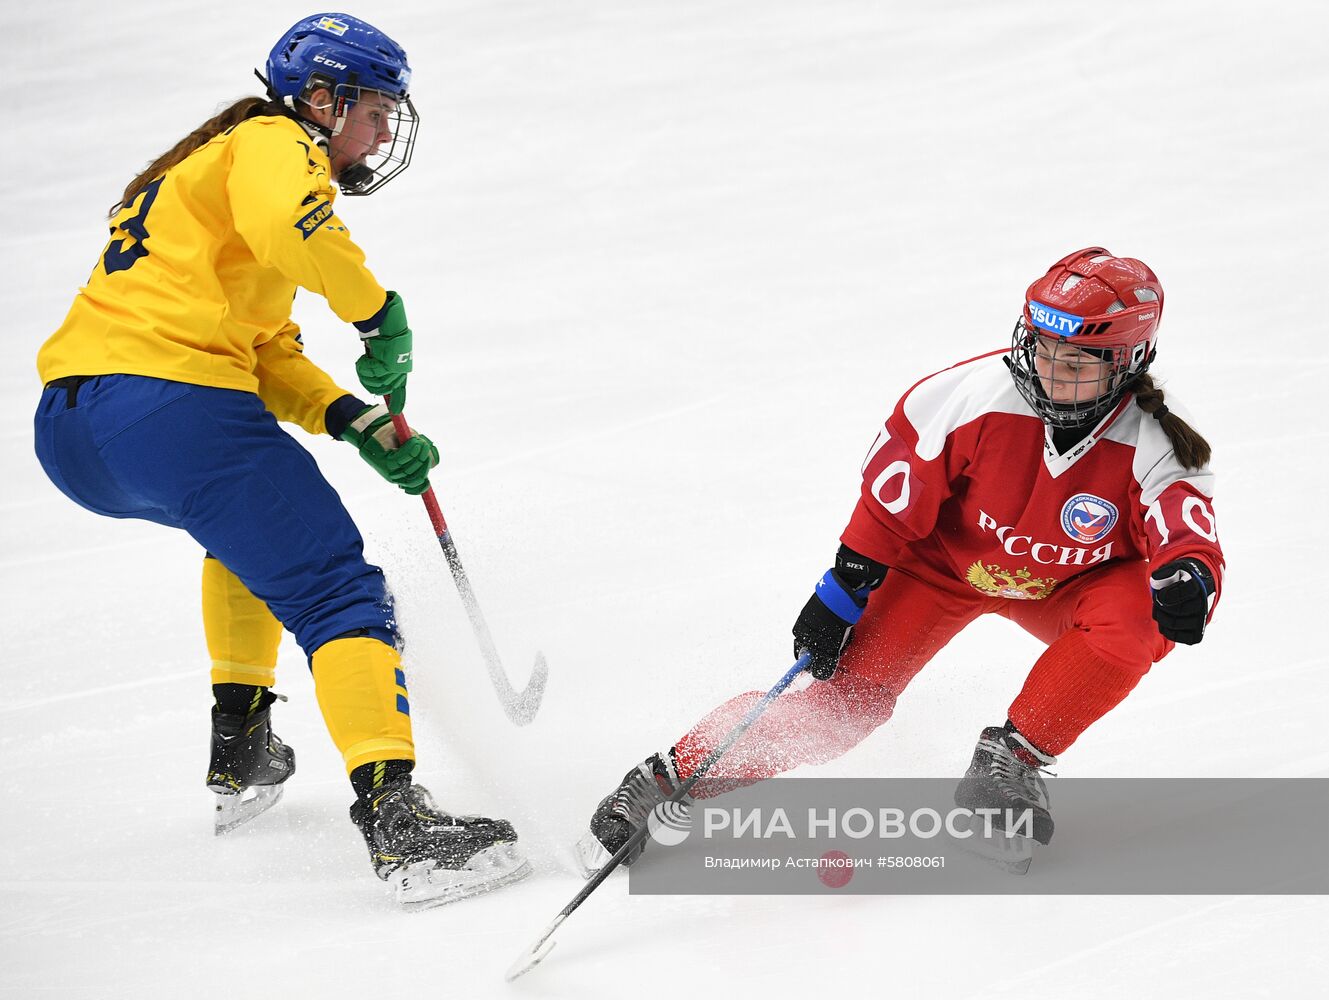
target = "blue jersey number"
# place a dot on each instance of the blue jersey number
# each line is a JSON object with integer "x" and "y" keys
{"x": 119, "y": 258}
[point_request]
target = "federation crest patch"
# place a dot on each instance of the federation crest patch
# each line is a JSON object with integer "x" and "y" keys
{"x": 333, "y": 25}
{"x": 1086, "y": 518}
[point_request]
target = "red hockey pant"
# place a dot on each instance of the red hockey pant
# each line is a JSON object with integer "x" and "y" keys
{"x": 1101, "y": 640}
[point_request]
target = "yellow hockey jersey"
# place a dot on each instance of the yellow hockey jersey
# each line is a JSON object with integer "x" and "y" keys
{"x": 196, "y": 282}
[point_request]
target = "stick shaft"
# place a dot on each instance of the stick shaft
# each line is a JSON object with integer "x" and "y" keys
{"x": 520, "y": 706}
{"x": 404, "y": 433}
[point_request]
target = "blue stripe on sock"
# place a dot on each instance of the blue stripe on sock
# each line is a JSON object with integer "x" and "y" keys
{"x": 403, "y": 706}
{"x": 401, "y": 679}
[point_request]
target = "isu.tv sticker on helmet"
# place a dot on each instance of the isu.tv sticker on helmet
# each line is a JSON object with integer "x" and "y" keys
{"x": 1063, "y": 324}
{"x": 1087, "y": 518}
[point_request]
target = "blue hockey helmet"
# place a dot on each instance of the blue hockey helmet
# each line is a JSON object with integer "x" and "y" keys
{"x": 347, "y": 57}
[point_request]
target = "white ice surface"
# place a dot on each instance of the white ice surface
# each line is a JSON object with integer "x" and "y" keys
{"x": 669, "y": 264}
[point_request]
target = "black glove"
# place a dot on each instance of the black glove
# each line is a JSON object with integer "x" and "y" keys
{"x": 1183, "y": 591}
{"x": 826, "y": 623}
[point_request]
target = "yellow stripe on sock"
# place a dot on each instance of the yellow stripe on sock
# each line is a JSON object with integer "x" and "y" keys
{"x": 230, "y": 672}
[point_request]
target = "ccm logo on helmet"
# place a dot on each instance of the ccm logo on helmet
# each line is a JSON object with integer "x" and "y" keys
{"x": 1054, "y": 320}
{"x": 325, "y": 60}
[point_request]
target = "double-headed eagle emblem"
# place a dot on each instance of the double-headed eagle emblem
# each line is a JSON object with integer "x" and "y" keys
{"x": 1020, "y": 585}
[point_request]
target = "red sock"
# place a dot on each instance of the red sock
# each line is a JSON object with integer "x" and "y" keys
{"x": 1069, "y": 688}
{"x": 810, "y": 726}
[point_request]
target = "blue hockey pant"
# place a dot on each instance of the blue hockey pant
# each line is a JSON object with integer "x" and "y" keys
{"x": 215, "y": 463}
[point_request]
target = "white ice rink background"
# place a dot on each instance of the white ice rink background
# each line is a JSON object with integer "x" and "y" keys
{"x": 669, "y": 264}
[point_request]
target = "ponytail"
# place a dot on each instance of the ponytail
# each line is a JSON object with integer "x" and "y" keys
{"x": 246, "y": 107}
{"x": 1191, "y": 449}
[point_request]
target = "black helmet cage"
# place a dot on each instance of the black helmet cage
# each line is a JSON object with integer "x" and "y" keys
{"x": 379, "y": 167}
{"x": 1124, "y": 367}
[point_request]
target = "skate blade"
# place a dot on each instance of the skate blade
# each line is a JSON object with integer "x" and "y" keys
{"x": 1012, "y": 854}
{"x": 590, "y": 855}
{"x": 425, "y": 885}
{"x": 1015, "y": 860}
{"x": 235, "y": 809}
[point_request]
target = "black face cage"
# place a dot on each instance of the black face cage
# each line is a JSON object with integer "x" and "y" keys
{"x": 1123, "y": 367}
{"x": 380, "y": 167}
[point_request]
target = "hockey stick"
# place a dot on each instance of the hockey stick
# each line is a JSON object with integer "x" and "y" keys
{"x": 520, "y": 706}
{"x": 533, "y": 955}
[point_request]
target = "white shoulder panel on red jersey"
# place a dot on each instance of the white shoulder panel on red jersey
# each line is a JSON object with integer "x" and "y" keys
{"x": 951, "y": 398}
{"x": 1155, "y": 466}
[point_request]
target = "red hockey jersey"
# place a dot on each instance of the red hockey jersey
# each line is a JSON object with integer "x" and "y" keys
{"x": 964, "y": 490}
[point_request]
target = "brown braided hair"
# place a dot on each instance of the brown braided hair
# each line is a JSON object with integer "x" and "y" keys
{"x": 227, "y": 118}
{"x": 1191, "y": 449}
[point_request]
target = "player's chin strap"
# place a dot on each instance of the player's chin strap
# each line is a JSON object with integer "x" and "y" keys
{"x": 351, "y": 180}
{"x": 355, "y": 178}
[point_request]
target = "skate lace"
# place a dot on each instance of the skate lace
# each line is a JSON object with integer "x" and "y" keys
{"x": 1013, "y": 774}
{"x": 636, "y": 798}
{"x": 417, "y": 801}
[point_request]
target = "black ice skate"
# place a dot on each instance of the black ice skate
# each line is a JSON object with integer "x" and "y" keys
{"x": 624, "y": 810}
{"x": 1006, "y": 775}
{"x": 249, "y": 764}
{"x": 430, "y": 858}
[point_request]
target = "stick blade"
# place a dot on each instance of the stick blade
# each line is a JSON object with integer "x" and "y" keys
{"x": 521, "y": 708}
{"x": 536, "y": 953}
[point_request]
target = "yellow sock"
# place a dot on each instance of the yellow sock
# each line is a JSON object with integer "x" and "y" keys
{"x": 242, "y": 633}
{"x": 362, "y": 692}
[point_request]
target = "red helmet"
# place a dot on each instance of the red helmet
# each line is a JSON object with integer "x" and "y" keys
{"x": 1093, "y": 303}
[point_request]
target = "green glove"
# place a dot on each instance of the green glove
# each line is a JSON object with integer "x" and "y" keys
{"x": 387, "y": 359}
{"x": 405, "y": 463}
